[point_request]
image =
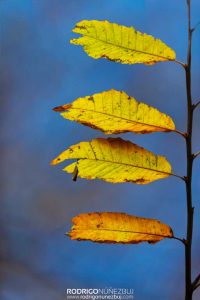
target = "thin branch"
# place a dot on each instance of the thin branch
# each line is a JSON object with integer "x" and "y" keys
{"x": 196, "y": 283}
{"x": 190, "y": 209}
{"x": 195, "y": 27}
{"x": 195, "y": 105}
{"x": 196, "y": 154}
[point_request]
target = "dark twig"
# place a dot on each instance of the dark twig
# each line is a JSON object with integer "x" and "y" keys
{"x": 195, "y": 105}
{"x": 196, "y": 154}
{"x": 190, "y": 208}
{"x": 195, "y": 27}
{"x": 196, "y": 283}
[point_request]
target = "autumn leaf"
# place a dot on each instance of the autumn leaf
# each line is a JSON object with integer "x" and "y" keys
{"x": 102, "y": 39}
{"x": 110, "y": 227}
{"x": 115, "y": 160}
{"x": 116, "y": 112}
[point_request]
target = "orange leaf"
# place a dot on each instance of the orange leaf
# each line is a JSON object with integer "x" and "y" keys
{"x": 110, "y": 227}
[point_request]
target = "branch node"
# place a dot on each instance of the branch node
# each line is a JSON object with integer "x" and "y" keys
{"x": 196, "y": 283}
{"x": 194, "y": 155}
{"x": 185, "y": 135}
{"x": 195, "y": 27}
{"x": 184, "y": 241}
{"x": 195, "y": 105}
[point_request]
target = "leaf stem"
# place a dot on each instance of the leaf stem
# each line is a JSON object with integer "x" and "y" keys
{"x": 183, "y": 134}
{"x": 178, "y": 176}
{"x": 180, "y": 63}
{"x": 179, "y": 239}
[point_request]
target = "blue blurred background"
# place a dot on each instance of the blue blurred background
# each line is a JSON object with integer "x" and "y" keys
{"x": 40, "y": 69}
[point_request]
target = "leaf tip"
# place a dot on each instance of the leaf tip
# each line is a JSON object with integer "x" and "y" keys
{"x": 55, "y": 161}
{"x": 73, "y": 41}
{"x": 61, "y": 108}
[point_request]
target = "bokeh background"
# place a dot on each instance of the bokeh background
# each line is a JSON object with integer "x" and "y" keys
{"x": 40, "y": 69}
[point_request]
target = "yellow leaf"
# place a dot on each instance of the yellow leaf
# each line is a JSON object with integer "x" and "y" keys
{"x": 115, "y": 160}
{"x": 110, "y": 227}
{"x": 116, "y": 112}
{"x": 101, "y": 39}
